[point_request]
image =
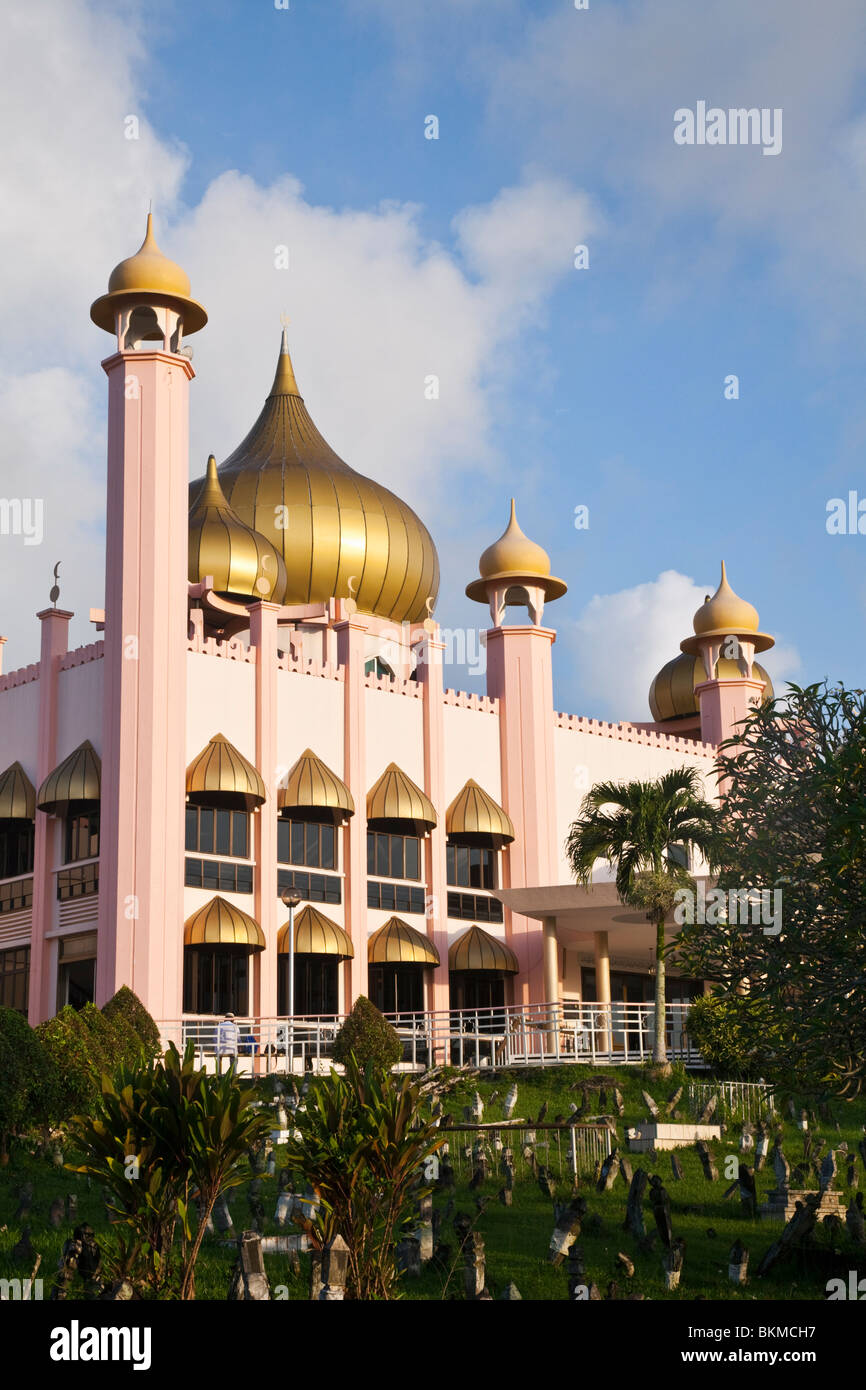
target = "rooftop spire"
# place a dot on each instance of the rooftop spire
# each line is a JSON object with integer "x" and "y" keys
{"x": 284, "y": 380}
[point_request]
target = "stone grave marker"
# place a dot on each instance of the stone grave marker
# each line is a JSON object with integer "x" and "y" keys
{"x": 249, "y": 1281}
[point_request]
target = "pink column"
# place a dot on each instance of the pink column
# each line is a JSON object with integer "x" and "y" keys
{"x": 724, "y": 703}
{"x": 519, "y": 675}
{"x": 430, "y": 678}
{"x": 54, "y": 646}
{"x": 351, "y": 632}
{"x": 263, "y": 636}
{"x": 144, "y": 748}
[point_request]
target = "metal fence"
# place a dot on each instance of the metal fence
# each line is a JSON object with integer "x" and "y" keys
{"x": 510, "y": 1036}
{"x": 742, "y": 1100}
{"x": 565, "y": 1150}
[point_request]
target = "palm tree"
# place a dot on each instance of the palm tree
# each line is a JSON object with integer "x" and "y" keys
{"x": 635, "y": 827}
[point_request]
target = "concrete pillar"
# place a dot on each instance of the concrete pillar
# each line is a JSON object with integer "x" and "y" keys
{"x": 724, "y": 704}
{"x": 263, "y": 636}
{"x": 519, "y": 675}
{"x": 351, "y": 635}
{"x": 146, "y": 625}
{"x": 54, "y": 646}
{"x": 551, "y": 961}
{"x": 603, "y": 1038}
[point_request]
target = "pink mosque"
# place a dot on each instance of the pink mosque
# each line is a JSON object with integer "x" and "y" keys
{"x": 263, "y": 722}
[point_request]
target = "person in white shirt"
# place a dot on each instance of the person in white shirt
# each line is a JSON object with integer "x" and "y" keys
{"x": 227, "y": 1040}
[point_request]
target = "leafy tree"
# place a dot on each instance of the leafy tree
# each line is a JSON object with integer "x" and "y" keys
{"x": 368, "y": 1036}
{"x": 77, "y": 1059}
{"x": 127, "y": 1005}
{"x": 795, "y": 804}
{"x": 634, "y": 826}
{"x": 361, "y": 1142}
{"x": 738, "y": 1036}
{"x": 28, "y": 1085}
{"x": 159, "y": 1133}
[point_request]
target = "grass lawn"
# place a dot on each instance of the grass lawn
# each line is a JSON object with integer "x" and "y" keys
{"x": 517, "y": 1239}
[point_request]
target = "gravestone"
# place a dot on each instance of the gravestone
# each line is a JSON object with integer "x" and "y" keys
{"x": 609, "y": 1170}
{"x": 25, "y": 1202}
{"x": 424, "y": 1229}
{"x": 67, "y": 1270}
{"x": 576, "y": 1269}
{"x": 222, "y": 1217}
{"x": 249, "y": 1281}
{"x": 566, "y": 1230}
{"x": 801, "y": 1225}
{"x": 634, "y": 1219}
{"x": 22, "y": 1251}
{"x": 747, "y": 1191}
{"x": 625, "y": 1171}
{"x": 747, "y": 1138}
{"x": 708, "y": 1111}
{"x": 56, "y": 1213}
{"x": 738, "y": 1263}
{"x": 854, "y": 1220}
{"x": 672, "y": 1263}
{"x": 473, "y": 1266}
{"x": 673, "y": 1101}
{"x": 676, "y": 1167}
{"x": 510, "y": 1101}
{"x": 627, "y": 1266}
{"x": 409, "y": 1257}
{"x": 285, "y": 1199}
{"x": 477, "y": 1108}
{"x": 762, "y": 1144}
{"x": 711, "y": 1172}
{"x": 546, "y": 1182}
{"x": 661, "y": 1210}
{"x": 650, "y": 1105}
{"x": 827, "y": 1171}
{"x": 618, "y": 1101}
{"x": 71, "y": 1207}
{"x": 510, "y": 1294}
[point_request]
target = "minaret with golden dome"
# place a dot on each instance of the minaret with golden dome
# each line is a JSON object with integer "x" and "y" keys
{"x": 716, "y": 680}
{"x": 148, "y": 308}
{"x": 514, "y": 572}
{"x": 341, "y": 535}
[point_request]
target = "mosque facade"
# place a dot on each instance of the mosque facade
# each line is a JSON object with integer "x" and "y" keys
{"x": 256, "y": 764}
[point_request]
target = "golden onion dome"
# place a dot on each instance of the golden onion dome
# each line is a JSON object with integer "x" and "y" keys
{"x": 727, "y": 615}
{"x": 672, "y": 693}
{"x": 514, "y": 557}
{"x": 220, "y": 775}
{"x": 341, "y": 534}
{"x": 478, "y": 950}
{"x": 151, "y": 274}
{"x": 242, "y": 563}
{"x": 220, "y": 923}
{"x": 474, "y": 818}
{"x": 396, "y": 943}
{"x": 314, "y": 935}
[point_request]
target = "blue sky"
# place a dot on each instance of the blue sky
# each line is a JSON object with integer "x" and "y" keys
{"x": 602, "y": 386}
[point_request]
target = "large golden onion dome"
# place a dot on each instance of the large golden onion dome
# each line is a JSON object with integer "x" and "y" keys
{"x": 242, "y": 563}
{"x": 727, "y": 615}
{"x": 152, "y": 275}
{"x": 672, "y": 693}
{"x": 515, "y": 557}
{"x": 341, "y": 534}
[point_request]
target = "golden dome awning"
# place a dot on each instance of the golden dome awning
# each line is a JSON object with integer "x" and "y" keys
{"x": 396, "y": 943}
{"x": 474, "y": 818}
{"x": 220, "y": 923}
{"x": 221, "y": 776}
{"x": 154, "y": 277}
{"x": 314, "y": 792}
{"x": 75, "y": 779}
{"x": 340, "y": 534}
{"x": 478, "y": 950}
{"x": 242, "y": 563}
{"x": 17, "y": 794}
{"x": 672, "y": 693}
{"x": 316, "y": 935}
{"x": 395, "y": 802}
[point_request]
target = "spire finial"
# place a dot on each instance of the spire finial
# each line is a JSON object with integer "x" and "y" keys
{"x": 54, "y": 592}
{"x": 284, "y": 381}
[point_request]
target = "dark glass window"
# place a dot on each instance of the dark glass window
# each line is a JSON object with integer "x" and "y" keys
{"x": 393, "y": 856}
{"x": 397, "y": 988}
{"x": 395, "y": 897}
{"x": 473, "y": 907}
{"x": 15, "y": 978}
{"x": 476, "y": 989}
{"x": 468, "y": 866}
{"x": 82, "y": 834}
{"x": 15, "y": 894}
{"x": 211, "y": 830}
{"x": 78, "y": 883}
{"x": 313, "y": 888}
{"x": 312, "y": 843}
{"x": 216, "y": 979}
{"x": 315, "y": 985}
{"x": 16, "y": 848}
{"x": 222, "y": 878}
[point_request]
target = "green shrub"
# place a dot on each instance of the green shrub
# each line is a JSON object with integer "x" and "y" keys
{"x": 28, "y": 1086}
{"x": 127, "y": 1005}
{"x": 736, "y": 1036}
{"x": 368, "y": 1036}
{"x": 78, "y": 1060}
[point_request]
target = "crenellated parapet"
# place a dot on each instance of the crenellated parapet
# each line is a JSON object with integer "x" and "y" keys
{"x": 627, "y": 733}
{"x": 23, "y": 676}
{"x": 94, "y": 651}
{"x": 464, "y": 699}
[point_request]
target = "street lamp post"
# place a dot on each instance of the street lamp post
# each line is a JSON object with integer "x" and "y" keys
{"x": 291, "y": 901}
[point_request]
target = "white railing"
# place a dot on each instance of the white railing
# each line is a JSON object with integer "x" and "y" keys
{"x": 743, "y": 1100}
{"x": 513, "y": 1035}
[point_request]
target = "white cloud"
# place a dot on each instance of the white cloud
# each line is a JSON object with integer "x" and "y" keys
{"x": 621, "y": 640}
{"x": 375, "y": 306}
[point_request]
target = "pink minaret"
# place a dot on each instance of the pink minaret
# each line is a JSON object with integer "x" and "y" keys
{"x": 516, "y": 572}
{"x": 140, "y": 940}
{"x": 726, "y": 630}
